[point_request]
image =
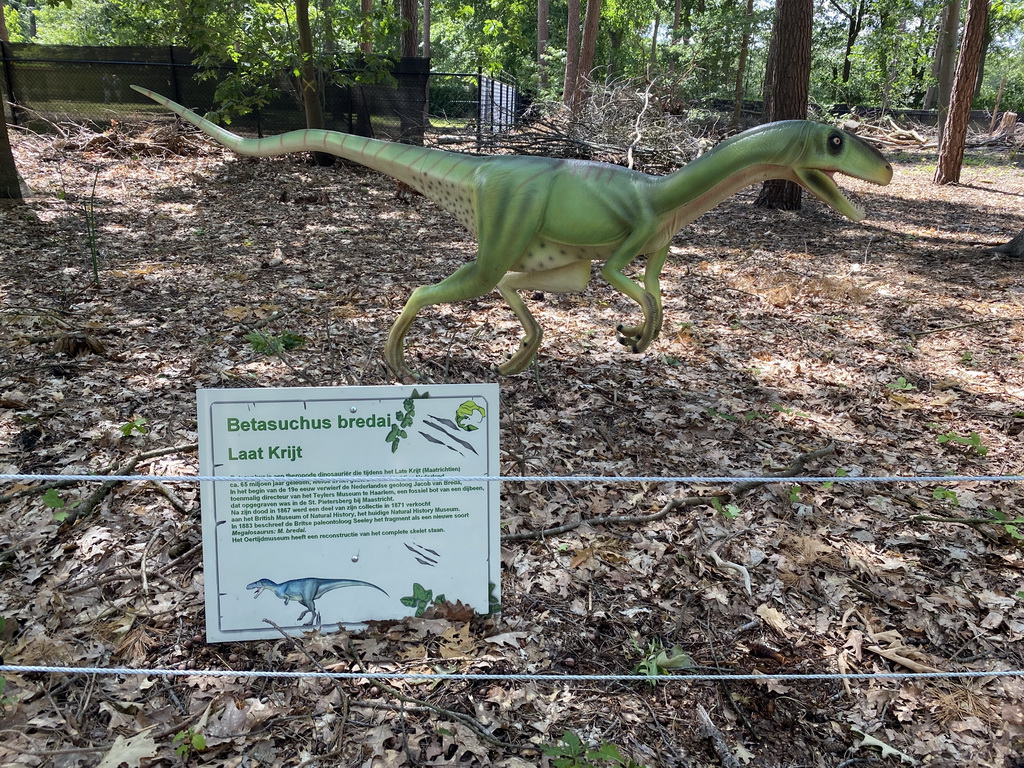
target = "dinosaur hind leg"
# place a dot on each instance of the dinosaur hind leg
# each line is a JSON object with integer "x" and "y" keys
{"x": 467, "y": 282}
{"x": 569, "y": 278}
{"x": 531, "y": 340}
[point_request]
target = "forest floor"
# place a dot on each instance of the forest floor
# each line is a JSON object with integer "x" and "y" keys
{"x": 796, "y": 341}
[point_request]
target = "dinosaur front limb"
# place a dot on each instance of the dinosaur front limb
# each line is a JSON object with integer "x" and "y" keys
{"x": 630, "y": 335}
{"x": 637, "y": 338}
{"x": 531, "y": 340}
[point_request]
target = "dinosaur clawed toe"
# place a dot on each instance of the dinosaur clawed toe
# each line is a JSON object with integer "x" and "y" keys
{"x": 631, "y": 336}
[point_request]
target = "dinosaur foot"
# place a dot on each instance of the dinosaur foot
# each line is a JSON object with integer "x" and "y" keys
{"x": 522, "y": 357}
{"x": 404, "y": 375}
{"x": 631, "y": 336}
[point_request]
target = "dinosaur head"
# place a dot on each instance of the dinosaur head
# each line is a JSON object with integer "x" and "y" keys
{"x": 826, "y": 151}
{"x": 259, "y": 585}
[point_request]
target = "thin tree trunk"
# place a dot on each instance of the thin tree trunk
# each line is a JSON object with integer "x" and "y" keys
{"x": 741, "y": 66}
{"x": 308, "y": 78}
{"x": 652, "y": 60}
{"x": 10, "y": 187}
{"x": 410, "y": 34}
{"x": 995, "y": 107}
{"x": 4, "y": 36}
{"x": 426, "y": 29}
{"x": 572, "y": 53}
{"x": 787, "y": 83}
{"x": 588, "y": 50}
{"x": 325, "y": 11}
{"x": 854, "y": 25}
{"x": 947, "y": 59}
{"x": 542, "y": 42}
{"x": 366, "y": 33}
{"x": 951, "y": 145}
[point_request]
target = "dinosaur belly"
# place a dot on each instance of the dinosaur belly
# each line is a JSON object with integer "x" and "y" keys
{"x": 543, "y": 255}
{"x": 554, "y": 267}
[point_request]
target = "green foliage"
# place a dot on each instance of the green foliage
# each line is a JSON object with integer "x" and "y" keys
{"x": 972, "y": 441}
{"x": 656, "y": 661}
{"x": 728, "y": 511}
{"x": 901, "y": 385}
{"x": 260, "y": 41}
{"x": 404, "y": 419}
{"x": 708, "y": 49}
{"x": 5, "y": 700}
{"x": 17, "y": 29}
{"x": 570, "y": 752}
{"x": 1012, "y": 525}
{"x": 265, "y": 344}
{"x": 134, "y": 425}
{"x": 888, "y": 58}
{"x": 57, "y": 505}
{"x": 188, "y": 742}
{"x": 941, "y": 493}
{"x": 421, "y": 598}
{"x": 839, "y": 473}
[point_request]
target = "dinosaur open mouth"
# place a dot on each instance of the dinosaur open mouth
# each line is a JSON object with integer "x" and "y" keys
{"x": 822, "y": 185}
{"x": 257, "y": 592}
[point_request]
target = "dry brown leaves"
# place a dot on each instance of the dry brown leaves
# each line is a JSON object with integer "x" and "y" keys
{"x": 899, "y": 340}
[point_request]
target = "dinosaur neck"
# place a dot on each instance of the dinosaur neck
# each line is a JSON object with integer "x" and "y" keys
{"x": 719, "y": 174}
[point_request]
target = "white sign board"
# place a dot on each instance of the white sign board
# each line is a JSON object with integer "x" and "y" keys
{"x": 333, "y": 538}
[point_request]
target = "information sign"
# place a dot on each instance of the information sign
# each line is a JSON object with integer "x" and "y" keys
{"x": 365, "y": 513}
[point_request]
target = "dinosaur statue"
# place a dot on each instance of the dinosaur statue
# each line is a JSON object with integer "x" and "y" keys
{"x": 540, "y": 222}
{"x": 306, "y": 592}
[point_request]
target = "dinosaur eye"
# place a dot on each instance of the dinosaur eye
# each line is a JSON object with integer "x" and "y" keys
{"x": 835, "y": 142}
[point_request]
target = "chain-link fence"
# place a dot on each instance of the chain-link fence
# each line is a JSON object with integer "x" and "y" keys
{"x": 54, "y": 84}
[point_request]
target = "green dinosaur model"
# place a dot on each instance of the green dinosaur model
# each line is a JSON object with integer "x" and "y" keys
{"x": 306, "y": 592}
{"x": 540, "y": 222}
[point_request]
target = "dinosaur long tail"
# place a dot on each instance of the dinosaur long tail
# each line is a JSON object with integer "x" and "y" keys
{"x": 340, "y": 583}
{"x": 415, "y": 166}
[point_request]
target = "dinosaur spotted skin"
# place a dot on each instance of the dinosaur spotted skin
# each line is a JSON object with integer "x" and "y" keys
{"x": 540, "y": 222}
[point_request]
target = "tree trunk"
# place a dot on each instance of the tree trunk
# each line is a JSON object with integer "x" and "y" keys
{"x": 588, "y": 50}
{"x": 410, "y": 34}
{"x": 328, "y": 27}
{"x": 787, "y": 81}
{"x": 951, "y": 145}
{"x": 366, "y": 33}
{"x": 947, "y": 59}
{"x": 309, "y": 78}
{"x": 741, "y": 67}
{"x": 542, "y": 42}
{"x": 652, "y": 60}
{"x": 854, "y": 25}
{"x": 1013, "y": 248}
{"x": 572, "y": 53}
{"x": 426, "y": 29}
{"x": 10, "y": 186}
{"x": 4, "y": 35}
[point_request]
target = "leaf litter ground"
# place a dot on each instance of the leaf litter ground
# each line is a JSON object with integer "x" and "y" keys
{"x": 895, "y": 347}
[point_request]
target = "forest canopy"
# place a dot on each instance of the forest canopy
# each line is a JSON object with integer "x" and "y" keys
{"x": 865, "y": 52}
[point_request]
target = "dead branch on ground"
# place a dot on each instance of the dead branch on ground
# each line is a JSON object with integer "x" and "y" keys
{"x": 675, "y": 504}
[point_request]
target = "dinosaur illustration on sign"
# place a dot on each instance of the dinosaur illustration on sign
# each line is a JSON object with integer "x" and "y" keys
{"x": 306, "y": 592}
